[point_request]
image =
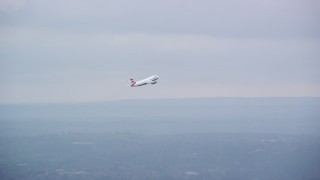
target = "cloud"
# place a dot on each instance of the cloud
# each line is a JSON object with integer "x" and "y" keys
{"x": 196, "y": 57}
{"x": 11, "y": 5}
{"x": 212, "y": 47}
{"x": 280, "y": 19}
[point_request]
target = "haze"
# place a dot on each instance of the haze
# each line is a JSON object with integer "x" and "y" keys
{"x": 237, "y": 97}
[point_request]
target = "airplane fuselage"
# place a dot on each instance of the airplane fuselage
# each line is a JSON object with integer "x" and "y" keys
{"x": 150, "y": 80}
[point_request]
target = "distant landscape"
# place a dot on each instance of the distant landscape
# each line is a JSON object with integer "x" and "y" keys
{"x": 184, "y": 156}
{"x": 166, "y": 116}
{"x": 201, "y": 138}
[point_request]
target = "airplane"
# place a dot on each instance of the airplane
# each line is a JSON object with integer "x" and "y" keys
{"x": 149, "y": 80}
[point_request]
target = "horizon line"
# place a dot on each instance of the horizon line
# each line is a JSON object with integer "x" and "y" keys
{"x": 155, "y": 99}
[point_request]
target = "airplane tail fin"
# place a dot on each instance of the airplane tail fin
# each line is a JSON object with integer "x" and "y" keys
{"x": 132, "y": 82}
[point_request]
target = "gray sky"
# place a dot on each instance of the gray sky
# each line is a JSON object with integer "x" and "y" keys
{"x": 81, "y": 50}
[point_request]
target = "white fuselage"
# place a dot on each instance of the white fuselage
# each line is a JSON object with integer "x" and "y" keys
{"x": 150, "y": 80}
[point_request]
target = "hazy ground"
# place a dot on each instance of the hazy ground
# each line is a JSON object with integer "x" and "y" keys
{"x": 184, "y": 156}
{"x": 204, "y": 115}
{"x": 207, "y": 138}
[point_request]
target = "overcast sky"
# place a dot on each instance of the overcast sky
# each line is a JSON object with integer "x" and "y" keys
{"x": 86, "y": 50}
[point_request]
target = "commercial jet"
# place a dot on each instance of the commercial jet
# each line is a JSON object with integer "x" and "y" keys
{"x": 149, "y": 80}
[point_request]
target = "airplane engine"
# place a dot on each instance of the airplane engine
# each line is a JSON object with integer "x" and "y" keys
{"x": 154, "y": 82}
